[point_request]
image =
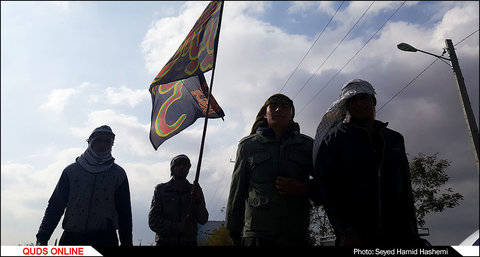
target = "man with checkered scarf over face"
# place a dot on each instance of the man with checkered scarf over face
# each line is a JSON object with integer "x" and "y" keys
{"x": 95, "y": 195}
{"x": 363, "y": 173}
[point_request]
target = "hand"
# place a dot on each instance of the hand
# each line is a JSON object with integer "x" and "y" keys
{"x": 237, "y": 241}
{"x": 197, "y": 192}
{"x": 236, "y": 237}
{"x": 289, "y": 186}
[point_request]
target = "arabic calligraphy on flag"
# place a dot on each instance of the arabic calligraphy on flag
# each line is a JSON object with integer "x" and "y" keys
{"x": 196, "y": 54}
{"x": 179, "y": 91}
{"x": 177, "y": 105}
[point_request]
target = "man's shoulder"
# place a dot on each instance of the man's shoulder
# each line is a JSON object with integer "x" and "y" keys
{"x": 390, "y": 132}
{"x": 162, "y": 186}
{"x": 393, "y": 136}
{"x": 253, "y": 138}
{"x": 73, "y": 167}
{"x": 247, "y": 139}
{"x": 117, "y": 168}
{"x": 305, "y": 138}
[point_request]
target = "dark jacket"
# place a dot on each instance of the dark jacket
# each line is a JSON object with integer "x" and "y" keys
{"x": 254, "y": 206}
{"x": 93, "y": 202}
{"x": 170, "y": 207}
{"x": 365, "y": 185}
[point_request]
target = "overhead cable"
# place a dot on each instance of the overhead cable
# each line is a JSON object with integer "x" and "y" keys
{"x": 378, "y": 30}
{"x": 426, "y": 68}
{"x": 348, "y": 33}
{"x": 303, "y": 58}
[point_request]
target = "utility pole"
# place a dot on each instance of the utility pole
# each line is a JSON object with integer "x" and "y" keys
{"x": 467, "y": 108}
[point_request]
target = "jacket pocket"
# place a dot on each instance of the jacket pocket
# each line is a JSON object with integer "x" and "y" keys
{"x": 300, "y": 158}
{"x": 261, "y": 216}
{"x": 299, "y": 165}
{"x": 259, "y": 158}
{"x": 263, "y": 170}
{"x": 255, "y": 199}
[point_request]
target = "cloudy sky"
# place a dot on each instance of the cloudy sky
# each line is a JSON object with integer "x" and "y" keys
{"x": 68, "y": 67}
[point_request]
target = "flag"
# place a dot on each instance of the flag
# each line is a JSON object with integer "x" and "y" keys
{"x": 177, "y": 105}
{"x": 196, "y": 54}
{"x": 179, "y": 91}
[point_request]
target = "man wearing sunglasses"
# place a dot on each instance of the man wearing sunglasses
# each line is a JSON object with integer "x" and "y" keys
{"x": 94, "y": 193}
{"x": 268, "y": 204}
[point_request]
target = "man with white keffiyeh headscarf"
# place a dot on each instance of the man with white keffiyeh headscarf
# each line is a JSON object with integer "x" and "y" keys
{"x": 94, "y": 193}
{"x": 336, "y": 114}
{"x": 363, "y": 173}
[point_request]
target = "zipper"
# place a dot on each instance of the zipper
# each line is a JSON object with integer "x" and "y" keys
{"x": 379, "y": 174}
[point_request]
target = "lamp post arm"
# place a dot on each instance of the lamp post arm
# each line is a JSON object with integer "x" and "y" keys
{"x": 438, "y": 56}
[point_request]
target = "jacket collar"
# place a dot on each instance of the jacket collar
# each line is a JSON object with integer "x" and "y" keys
{"x": 379, "y": 125}
{"x": 266, "y": 135}
{"x": 170, "y": 187}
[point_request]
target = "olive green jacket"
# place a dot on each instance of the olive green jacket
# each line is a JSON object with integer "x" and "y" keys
{"x": 254, "y": 206}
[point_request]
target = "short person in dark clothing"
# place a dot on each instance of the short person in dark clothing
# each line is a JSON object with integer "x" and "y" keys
{"x": 94, "y": 191}
{"x": 177, "y": 207}
{"x": 363, "y": 172}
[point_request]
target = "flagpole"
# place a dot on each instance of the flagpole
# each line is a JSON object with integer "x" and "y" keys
{"x": 202, "y": 144}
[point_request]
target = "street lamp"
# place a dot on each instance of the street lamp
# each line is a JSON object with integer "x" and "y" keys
{"x": 408, "y": 48}
{"x": 467, "y": 108}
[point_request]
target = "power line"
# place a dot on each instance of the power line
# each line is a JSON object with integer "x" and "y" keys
{"x": 291, "y": 75}
{"x": 218, "y": 201}
{"x": 378, "y": 30}
{"x": 409, "y": 83}
{"x": 213, "y": 203}
{"x": 466, "y": 37}
{"x": 214, "y": 195}
{"x": 351, "y": 29}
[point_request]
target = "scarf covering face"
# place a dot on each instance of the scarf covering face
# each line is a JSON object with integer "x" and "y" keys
{"x": 96, "y": 162}
{"x": 261, "y": 121}
{"x": 333, "y": 119}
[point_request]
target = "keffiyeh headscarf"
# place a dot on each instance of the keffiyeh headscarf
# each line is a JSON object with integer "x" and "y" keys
{"x": 333, "y": 119}
{"x": 97, "y": 162}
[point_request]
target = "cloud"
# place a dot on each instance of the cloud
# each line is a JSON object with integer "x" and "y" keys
{"x": 124, "y": 94}
{"x": 169, "y": 33}
{"x": 24, "y": 195}
{"x": 130, "y": 134}
{"x": 252, "y": 65}
{"x": 255, "y": 58}
{"x": 92, "y": 94}
{"x": 300, "y": 7}
{"x": 463, "y": 16}
{"x": 61, "y": 5}
{"x": 57, "y": 99}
